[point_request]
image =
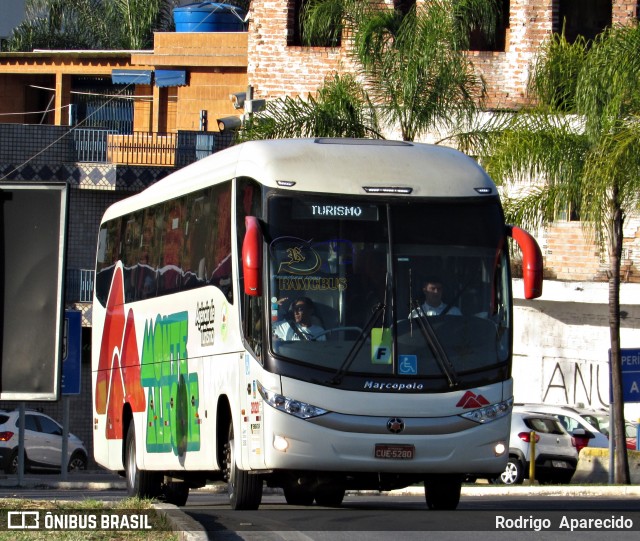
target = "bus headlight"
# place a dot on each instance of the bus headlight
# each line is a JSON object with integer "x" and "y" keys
{"x": 297, "y": 408}
{"x": 490, "y": 413}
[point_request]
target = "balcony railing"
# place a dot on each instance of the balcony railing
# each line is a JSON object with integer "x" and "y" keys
{"x": 50, "y": 145}
{"x": 79, "y": 285}
{"x": 142, "y": 149}
{"x": 90, "y": 144}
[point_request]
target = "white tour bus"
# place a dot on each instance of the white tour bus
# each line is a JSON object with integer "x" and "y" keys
{"x": 269, "y": 315}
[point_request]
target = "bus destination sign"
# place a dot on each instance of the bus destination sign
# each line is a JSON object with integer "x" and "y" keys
{"x": 331, "y": 211}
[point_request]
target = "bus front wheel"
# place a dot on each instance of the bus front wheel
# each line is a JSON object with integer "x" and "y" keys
{"x": 140, "y": 483}
{"x": 442, "y": 492}
{"x": 245, "y": 490}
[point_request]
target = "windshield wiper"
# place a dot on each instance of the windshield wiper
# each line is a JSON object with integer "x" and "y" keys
{"x": 436, "y": 347}
{"x": 357, "y": 345}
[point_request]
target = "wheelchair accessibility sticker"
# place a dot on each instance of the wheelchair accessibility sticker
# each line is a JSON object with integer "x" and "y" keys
{"x": 408, "y": 365}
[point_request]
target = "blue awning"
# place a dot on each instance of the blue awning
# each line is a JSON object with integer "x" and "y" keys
{"x": 171, "y": 78}
{"x": 131, "y": 77}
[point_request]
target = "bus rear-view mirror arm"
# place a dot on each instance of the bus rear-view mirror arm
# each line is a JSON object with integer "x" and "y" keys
{"x": 532, "y": 264}
{"x": 252, "y": 257}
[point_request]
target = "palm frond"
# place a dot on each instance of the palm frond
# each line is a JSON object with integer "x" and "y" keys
{"x": 341, "y": 109}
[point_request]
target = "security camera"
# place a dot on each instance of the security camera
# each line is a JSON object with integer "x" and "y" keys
{"x": 238, "y": 99}
{"x": 229, "y": 123}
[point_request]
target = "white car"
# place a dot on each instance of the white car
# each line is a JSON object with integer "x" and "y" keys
{"x": 555, "y": 452}
{"x": 573, "y": 419}
{"x": 42, "y": 443}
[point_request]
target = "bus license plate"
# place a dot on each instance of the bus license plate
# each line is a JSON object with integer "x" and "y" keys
{"x": 394, "y": 452}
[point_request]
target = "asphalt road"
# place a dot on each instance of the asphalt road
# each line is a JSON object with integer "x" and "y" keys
{"x": 484, "y": 513}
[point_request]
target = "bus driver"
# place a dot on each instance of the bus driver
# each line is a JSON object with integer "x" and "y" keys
{"x": 433, "y": 290}
{"x": 302, "y": 326}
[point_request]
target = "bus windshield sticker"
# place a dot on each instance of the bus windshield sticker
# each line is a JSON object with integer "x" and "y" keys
{"x": 296, "y": 256}
{"x": 408, "y": 365}
{"x": 381, "y": 345}
{"x": 328, "y": 211}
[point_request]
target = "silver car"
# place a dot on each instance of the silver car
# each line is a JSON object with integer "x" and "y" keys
{"x": 556, "y": 456}
{"x": 573, "y": 419}
{"x": 42, "y": 443}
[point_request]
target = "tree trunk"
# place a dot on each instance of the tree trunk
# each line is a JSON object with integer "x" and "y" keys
{"x": 621, "y": 471}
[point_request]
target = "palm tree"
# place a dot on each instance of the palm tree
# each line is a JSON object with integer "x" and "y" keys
{"x": 581, "y": 147}
{"x": 341, "y": 109}
{"x": 411, "y": 62}
{"x": 56, "y": 24}
{"x": 136, "y": 20}
{"x": 91, "y": 24}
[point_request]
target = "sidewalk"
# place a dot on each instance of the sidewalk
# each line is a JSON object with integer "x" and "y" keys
{"x": 104, "y": 480}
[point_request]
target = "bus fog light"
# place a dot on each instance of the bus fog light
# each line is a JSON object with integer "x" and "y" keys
{"x": 280, "y": 443}
{"x": 500, "y": 448}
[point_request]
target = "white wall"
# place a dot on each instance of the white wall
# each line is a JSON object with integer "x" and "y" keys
{"x": 561, "y": 343}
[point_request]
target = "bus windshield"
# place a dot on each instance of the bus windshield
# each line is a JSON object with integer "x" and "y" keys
{"x": 401, "y": 288}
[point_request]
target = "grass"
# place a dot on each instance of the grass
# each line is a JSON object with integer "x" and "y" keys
{"x": 160, "y": 526}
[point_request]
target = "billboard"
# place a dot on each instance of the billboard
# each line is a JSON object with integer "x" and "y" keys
{"x": 33, "y": 226}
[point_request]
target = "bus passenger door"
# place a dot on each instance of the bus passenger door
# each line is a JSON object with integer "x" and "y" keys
{"x": 252, "y": 421}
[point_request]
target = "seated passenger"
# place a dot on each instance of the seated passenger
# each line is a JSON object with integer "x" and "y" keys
{"x": 301, "y": 326}
{"x": 433, "y": 290}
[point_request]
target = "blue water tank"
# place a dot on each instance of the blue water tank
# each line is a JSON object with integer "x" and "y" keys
{"x": 209, "y": 17}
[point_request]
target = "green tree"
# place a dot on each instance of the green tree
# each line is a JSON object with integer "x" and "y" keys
{"x": 91, "y": 24}
{"x": 580, "y": 146}
{"x": 341, "y": 109}
{"x": 136, "y": 20}
{"x": 411, "y": 63}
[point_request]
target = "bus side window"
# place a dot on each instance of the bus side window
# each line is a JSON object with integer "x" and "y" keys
{"x": 108, "y": 255}
{"x": 148, "y": 261}
{"x": 131, "y": 254}
{"x": 248, "y": 203}
{"x": 197, "y": 225}
{"x": 218, "y": 243}
{"x": 170, "y": 278}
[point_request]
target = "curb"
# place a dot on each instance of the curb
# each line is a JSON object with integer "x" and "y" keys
{"x": 186, "y": 528}
{"x": 583, "y": 489}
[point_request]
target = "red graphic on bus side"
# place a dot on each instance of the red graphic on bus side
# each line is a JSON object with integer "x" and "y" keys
{"x": 118, "y": 378}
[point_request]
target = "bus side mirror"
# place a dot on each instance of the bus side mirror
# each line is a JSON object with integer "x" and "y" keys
{"x": 531, "y": 261}
{"x": 252, "y": 257}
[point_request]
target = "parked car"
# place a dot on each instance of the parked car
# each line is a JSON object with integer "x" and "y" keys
{"x": 42, "y": 443}
{"x": 556, "y": 456}
{"x": 631, "y": 433}
{"x": 600, "y": 419}
{"x": 573, "y": 419}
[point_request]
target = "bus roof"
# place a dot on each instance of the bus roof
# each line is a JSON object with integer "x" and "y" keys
{"x": 340, "y": 166}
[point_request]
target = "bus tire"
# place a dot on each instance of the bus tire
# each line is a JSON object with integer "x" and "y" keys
{"x": 297, "y": 495}
{"x": 329, "y": 496}
{"x": 245, "y": 490}
{"x": 175, "y": 492}
{"x": 442, "y": 492}
{"x": 140, "y": 483}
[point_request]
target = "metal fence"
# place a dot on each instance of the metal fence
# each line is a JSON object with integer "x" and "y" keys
{"x": 90, "y": 144}
{"x": 79, "y": 285}
{"x": 51, "y": 145}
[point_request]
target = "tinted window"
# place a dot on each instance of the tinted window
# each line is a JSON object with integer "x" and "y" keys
{"x": 174, "y": 246}
{"x": 50, "y": 427}
{"x": 543, "y": 426}
{"x": 30, "y": 423}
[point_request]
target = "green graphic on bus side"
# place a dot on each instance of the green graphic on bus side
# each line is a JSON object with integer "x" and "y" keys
{"x": 173, "y": 394}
